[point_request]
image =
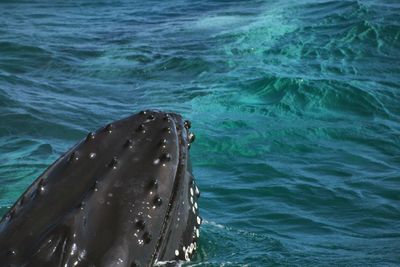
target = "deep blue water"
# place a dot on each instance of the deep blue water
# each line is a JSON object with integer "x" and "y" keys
{"x": 295, "y": 105}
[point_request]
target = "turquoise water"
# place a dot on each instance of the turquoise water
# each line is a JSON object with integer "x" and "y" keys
{"x": 295, "y": 105}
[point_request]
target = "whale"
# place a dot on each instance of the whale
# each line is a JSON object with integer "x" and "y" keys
{"x": 125, "y": 195}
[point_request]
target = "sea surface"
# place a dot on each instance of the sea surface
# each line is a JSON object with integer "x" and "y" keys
{"x": 295, "y": 106}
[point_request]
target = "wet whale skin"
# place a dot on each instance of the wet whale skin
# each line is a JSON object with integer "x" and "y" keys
{"x": 123, "y": 196}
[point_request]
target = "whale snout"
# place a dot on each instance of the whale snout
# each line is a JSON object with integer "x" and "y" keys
{"x": 125, "y": 195}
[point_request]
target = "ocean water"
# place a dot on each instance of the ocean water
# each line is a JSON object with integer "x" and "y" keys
{"x": 295, "y": 106}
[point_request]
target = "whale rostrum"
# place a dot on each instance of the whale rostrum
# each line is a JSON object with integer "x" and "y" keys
{"x": 123, "y": 196}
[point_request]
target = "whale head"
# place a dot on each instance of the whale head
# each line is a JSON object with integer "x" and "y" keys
{"x": 123, "y": 196}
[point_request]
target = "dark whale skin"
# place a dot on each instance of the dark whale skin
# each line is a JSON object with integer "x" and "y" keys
{"x": 123, "y": 196}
